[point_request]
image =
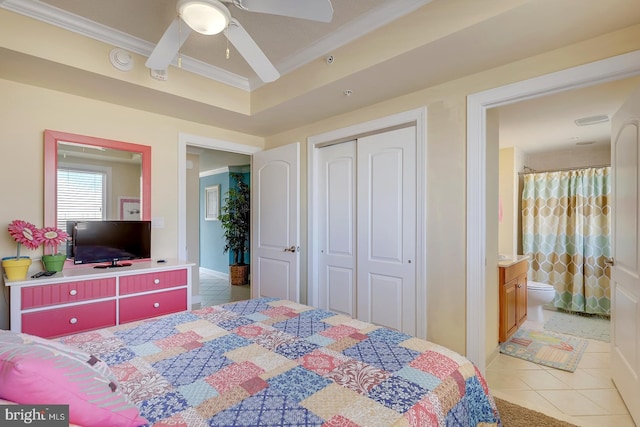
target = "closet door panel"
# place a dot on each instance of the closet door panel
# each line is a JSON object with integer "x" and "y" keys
{"x": 386, "y": 216}
{"x": 337, "y": 230}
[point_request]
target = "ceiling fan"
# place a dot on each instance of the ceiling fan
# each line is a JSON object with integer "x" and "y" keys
{"x": 212, "y": 17}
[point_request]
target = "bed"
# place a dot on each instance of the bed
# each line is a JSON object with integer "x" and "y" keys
{"x": 271, "y": 362}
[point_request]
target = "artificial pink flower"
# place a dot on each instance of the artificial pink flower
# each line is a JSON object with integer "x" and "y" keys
{"x": 24, "y": 233}
{"x": 52, "y": 237}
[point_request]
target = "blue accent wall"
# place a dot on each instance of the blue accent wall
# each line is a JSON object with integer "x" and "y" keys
{"x": 211, "y": 233}
{"x": 212, "y": 241}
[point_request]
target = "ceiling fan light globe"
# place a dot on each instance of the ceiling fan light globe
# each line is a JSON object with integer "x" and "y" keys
{"x": 204, "y": 16}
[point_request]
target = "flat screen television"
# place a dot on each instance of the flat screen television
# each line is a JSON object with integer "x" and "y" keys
{"x": 109, "y": 242}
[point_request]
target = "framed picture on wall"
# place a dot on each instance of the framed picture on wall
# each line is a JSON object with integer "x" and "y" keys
{"x": 212, "y": 202}
{"x": 129, "y": 208}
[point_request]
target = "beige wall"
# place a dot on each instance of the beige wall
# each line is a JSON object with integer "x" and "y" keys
{"x": 508, "y": 193}
{"x": 446, "y": 170}
{"x": 26, "y": 111}
{"x": 572, "y": 158}
{"x": 31, "y": 110}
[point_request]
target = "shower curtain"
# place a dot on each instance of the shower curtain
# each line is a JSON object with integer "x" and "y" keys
{"x": 566, "y": 233}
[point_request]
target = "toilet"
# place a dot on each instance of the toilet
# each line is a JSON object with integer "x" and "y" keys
{"x": 538, "y": 294}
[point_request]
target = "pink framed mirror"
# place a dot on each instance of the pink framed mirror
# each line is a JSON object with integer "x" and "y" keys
{"x": 126, "y": 167}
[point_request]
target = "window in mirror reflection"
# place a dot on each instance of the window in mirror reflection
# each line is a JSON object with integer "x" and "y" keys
{"x": 87, "y": 186}
{"x": 97, "y": 183}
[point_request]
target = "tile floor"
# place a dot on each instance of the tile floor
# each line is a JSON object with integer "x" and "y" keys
{"x": 214, "y": 290}
{"x": 586, "y": 397}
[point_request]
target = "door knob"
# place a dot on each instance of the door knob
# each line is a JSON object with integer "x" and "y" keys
{"x": 290, "y": 249}
{"x": 610, "y": 262}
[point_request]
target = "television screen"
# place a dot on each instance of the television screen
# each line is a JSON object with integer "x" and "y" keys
{"x": 110, "y": 241}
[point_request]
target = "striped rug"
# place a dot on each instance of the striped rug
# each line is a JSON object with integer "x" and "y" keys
{"x": 546, "y": 348}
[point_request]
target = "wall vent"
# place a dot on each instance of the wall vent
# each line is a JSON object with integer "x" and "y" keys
{"x": 592, "y": 120}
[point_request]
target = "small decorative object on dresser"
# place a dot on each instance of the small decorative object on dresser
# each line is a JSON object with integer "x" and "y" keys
{"x": 52, "y": 237}
{"x": 24, "y": 233}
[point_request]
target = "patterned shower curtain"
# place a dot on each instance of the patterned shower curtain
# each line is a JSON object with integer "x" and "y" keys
{"x": 566, "y": 233}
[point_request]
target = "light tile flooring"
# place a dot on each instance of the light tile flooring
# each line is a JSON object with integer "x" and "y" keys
{"x": 214, "y": 290}
{"x": 586, "y": 397}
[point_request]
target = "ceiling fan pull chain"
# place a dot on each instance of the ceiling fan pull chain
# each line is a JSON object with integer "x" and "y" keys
{"x": 227, "y": 52}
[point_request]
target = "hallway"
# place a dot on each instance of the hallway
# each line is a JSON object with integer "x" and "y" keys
{"x": 215, "y": 290}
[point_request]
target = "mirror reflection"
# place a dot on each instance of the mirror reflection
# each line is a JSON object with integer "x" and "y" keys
{"x": 88, "y": 178}
{"x": 97, "y": 183}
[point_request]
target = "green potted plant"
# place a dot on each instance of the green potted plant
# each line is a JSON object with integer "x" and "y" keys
{"x": 234, "y": 218}
{"x": 52, "y": 237}
{"x": 25, "y": 234}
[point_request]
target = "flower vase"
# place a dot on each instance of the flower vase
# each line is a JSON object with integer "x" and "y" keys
{"x": 16, "y": 268}
{"x": 54, "y": 262}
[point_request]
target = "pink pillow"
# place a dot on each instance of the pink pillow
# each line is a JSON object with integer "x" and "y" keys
{"x": 35, "y": 372}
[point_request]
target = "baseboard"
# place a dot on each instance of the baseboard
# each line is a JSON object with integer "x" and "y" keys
{"x": 215, "y": 273}
{"x": 196, "y": 302}
{"x": 493, "y": 355}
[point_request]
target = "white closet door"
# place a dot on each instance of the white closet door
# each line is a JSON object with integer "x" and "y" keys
{"x": 386, "y": 189}
{"x": 336, "y": 228}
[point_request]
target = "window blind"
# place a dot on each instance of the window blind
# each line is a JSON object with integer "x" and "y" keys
{"x": 81, "y": 195}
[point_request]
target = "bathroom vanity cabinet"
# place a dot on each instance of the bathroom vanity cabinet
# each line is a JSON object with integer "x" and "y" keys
{"x": 513, "y": 296}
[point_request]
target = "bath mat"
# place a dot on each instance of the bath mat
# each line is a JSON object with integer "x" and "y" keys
{"x": 591, "y": 327}
{"x": 546, "y": 348}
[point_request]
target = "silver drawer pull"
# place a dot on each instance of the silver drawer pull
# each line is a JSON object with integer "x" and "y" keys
{"x": 73, "y": 321}
{"x": 156, "y": 304}
{"x": 73, "y": 292}
{"x": 156, "y": 281}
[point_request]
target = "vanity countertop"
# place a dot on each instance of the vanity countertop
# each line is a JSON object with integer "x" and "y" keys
{"x": 512, "y": 261}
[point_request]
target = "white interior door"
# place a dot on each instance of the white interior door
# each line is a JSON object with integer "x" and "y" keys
{"x": 386, "y": 215}
{"x": 337, "y": 228}
{"x": 275, "y": 207}
{"x": 625, "y": 273}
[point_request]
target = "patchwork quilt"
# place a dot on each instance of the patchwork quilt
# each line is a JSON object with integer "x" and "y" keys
{"x": 271, "y": 362}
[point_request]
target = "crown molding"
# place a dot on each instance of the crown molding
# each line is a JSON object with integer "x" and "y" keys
{"x": 85, "y": 27}
{"x": 367, "y": 23}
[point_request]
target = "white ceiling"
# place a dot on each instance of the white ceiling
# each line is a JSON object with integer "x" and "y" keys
{"x": 438, "y": 41}
{"x": 548, "y": 123}
{"x": 289, "y": 43}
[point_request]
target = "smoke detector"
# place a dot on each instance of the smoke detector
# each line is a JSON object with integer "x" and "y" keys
{"x": 121, "y": 59}
{"x": 592, "y": 120}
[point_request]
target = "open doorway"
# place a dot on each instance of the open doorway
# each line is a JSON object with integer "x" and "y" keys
{"x": 482, "y": 187}
{"x": 204, "y": 169}
{"x": 212, "y": 179}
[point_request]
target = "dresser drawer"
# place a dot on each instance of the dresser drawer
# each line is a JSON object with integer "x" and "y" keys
{"x": 70, "y": 320}
{"x": 152, "y": 281}
{"x": 61, "y": 293}
{"x": 152, "y": 305}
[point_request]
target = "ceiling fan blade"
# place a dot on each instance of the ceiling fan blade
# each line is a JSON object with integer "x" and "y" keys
{"x": 313, "y": 10}
{"x": 169, "y": 45}
{"x": 250, "y": 51}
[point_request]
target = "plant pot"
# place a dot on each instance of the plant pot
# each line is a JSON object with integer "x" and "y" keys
{"x": 16, "y": 268}
{"x": 54, "y": 262}
{"x": 239, "y": 274}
